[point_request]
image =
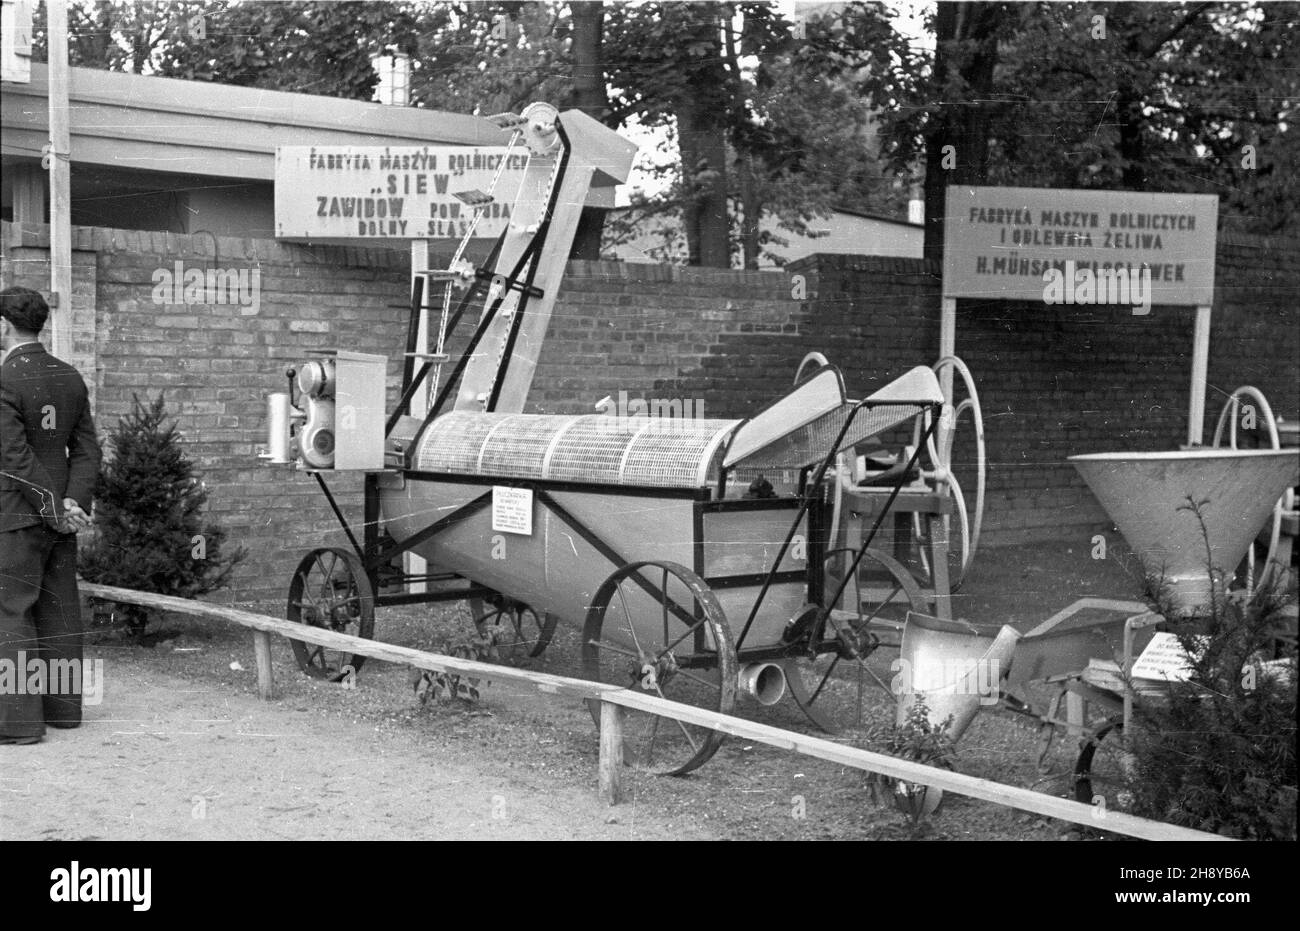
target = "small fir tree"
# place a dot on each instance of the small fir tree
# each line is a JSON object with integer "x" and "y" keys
{"x": 149, "y": 531}
{"x": 1218, "y": 751}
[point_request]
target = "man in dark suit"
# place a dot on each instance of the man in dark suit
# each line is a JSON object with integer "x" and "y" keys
{"x": 49, "y": 464}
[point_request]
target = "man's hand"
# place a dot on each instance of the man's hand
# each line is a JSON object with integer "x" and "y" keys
{"x": 74, "y": 519}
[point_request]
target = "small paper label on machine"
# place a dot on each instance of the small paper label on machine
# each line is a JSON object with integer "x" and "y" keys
{"x": 1164, "y": 658}
{"x": 512, "y": 510}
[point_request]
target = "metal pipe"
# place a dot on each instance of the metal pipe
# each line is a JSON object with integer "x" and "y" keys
{"x": 277, "y": 427}
{"x": 763, "y": 682}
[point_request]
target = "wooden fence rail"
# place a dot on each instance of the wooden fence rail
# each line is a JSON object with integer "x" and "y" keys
{"x": 616, "y": 701}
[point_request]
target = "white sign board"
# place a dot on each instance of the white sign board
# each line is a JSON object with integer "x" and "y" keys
{"x": 1164, "y": 658}
{"x": 512, "y": 510}
{"x": 1001, "y": 242}
{"x": 397, "y": 192}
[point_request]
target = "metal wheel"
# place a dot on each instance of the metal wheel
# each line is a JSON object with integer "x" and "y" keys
{"x": 656, "y": 626}
{"x": 330, "y": 590}
{"x": 830, "y": 686}
{"x": 518, "y": 632}
{"x": 1099, "y": 771}
{"x": 939, "y": 449}
{"x": 814, "y": 359}
{"x": 1259, "y": 563}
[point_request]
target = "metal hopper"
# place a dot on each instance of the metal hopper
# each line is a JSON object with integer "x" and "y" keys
{"x": 1149, "y": 496}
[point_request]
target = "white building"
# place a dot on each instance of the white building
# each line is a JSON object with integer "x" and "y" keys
{"x": 843, "y": 232}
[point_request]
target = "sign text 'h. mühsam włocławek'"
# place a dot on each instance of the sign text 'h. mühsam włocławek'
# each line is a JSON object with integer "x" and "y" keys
{"x": 1079, "y": 246}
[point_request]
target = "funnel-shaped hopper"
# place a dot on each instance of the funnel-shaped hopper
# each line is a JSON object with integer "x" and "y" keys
{"x": 1146, "y": 495}
{"x": 955, "y": 665}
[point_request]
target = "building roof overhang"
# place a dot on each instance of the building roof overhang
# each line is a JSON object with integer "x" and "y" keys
{"x": 131, "y": 121}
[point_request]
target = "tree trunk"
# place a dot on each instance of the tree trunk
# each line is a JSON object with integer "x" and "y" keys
{"x": 1132, "y": 122}
{"x": 966, "y": 54}
{"x": 751, "y": 206}
{"x": 751, "y": 212}
{"x": 702, "y": 142}
{"x": 589, "y": 97}
{"x": 1131, "y": 144}
{"x": 702, "y": 117}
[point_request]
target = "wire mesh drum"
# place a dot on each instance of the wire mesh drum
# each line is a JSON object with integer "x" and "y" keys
{"x": 653, "y": 452}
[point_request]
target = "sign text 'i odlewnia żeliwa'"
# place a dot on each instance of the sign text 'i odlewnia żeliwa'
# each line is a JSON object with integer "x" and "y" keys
{"x": 1080, "y": 247}
{"x": 394, "y": 192}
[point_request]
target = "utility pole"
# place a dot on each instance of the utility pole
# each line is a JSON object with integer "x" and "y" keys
{"x": 60, "y": 155}
{"x": 394, "y": 90}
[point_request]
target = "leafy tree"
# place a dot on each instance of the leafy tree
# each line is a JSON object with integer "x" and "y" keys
{"x": 589, "y": 96}
{"x": 666, "y": 65}
{"x": 765, "y": 123}
{"x": 1128, "y": 96}
{"x": 490, "y": 58}
{"x": 768, "y": 119}
{"x": 115, "y": 35}
{"x": 310, "y": 48}
{"x": 149, "y": 529}
{"x": 807, "y": 141}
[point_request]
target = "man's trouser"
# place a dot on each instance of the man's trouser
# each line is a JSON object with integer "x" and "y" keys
{"x": 40, "y": 631}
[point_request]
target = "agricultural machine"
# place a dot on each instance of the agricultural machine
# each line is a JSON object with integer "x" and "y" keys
{"x": 702, "y": 559}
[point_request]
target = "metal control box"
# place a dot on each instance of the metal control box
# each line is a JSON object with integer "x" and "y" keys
{"x": 359, "y": 396}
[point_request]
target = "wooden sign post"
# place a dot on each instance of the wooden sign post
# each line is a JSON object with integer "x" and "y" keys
{"x": 1051, "y": 246}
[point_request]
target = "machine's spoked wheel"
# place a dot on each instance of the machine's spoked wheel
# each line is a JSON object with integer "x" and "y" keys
{"x": 969, "y": 515}
{"x": 517, "y": 631}
{"x": 811, "y": 361}
{"x": 330, "y": 590}
{"x": 1259, "y": 562}
{"x": 656, "y": 627}
{"x": 1099, "y": 771}
{"x": 829, "y": 688}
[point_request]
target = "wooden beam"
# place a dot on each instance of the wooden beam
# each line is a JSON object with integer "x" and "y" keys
{"x": 1076, "y": 714}
{"x": 611, "y": 752}
{"x": 543, "y": 682}
{"x": 265, "y": 677}
{"x": 60, "y": 184}
{"x": 413, "y": 564}
{"x": 973, "y": 786}
{"x": 1083, "y": 604}
{"x": 947, "y": 343}
{"x": 933, "y": 776}
{"x": 1200, "y": 365}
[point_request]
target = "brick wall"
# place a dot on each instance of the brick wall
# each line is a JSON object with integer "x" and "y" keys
{"x": 216, "y": 363}
{"x": 1052, "y": 381}
{"x": 25, "y": 261}
{"x": 635, "y": 328}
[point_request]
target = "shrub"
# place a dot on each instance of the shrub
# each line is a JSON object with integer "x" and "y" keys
{"x": 149, "y": 531}
{"x": 920, "y": 739}
{"x": 1218, "y": 752}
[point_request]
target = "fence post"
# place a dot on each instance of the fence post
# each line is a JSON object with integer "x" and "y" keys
{"x": 262, "y": 652}
{"x": 611, "y": 752}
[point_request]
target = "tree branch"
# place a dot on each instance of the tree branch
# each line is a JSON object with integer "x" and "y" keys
{"x": 1188, "y": 18}
{"x": 1224, "y": 115}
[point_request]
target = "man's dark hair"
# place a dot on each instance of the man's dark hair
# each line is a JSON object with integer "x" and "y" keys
{"x": 24, "y": 308}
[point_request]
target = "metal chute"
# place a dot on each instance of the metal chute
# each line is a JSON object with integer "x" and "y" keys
{"x": 954, "y": 665}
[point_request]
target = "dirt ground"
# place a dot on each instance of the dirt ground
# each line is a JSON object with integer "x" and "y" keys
{"x": 180, "y": 747}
